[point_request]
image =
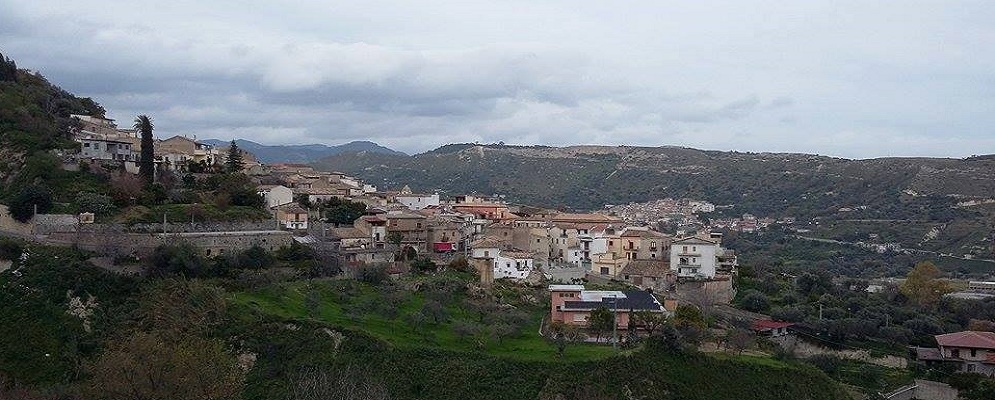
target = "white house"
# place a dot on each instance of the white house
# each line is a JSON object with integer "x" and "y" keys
{"x": 694, "y": 257}
{"x": 418, "y": 201}
{"x": 507, "y": 264}
{"x": 513, "y": 264}
{"x": 106, "y": 149}
{"x": 275, "y": 195}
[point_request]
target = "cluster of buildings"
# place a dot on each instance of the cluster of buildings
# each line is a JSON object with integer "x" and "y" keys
{"x": 682, "y": 215}
{"x": 516, "y": 242}
{"x": 102, "y": 141}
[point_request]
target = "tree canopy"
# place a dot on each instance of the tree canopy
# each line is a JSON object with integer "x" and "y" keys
{"x": 923, "y": 284}
{"x": 234, "y": 162}
{"x": 146, "y": 165}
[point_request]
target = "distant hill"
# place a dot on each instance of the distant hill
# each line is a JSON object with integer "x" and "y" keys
{"x": 804, "y": 186}
{"x": 303, "y": 153}
{"x": 587, "y": 177}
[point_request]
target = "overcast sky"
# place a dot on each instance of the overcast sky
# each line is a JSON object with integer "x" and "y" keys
{"x": 853, "y": 79}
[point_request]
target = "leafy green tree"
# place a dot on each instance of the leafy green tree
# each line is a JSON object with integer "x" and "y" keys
{"x": 8, "y": 69}
{"x": 180, "y": 259}
{"x": 341, "y": 211}
{"x": 373, "y": 274}
{"x": 923, "y": 284}
{"x": 234, "y": 162}
{"x": 22, "y": 206}
{"x": 94, "y": 202}
{"x": 689, "y": 315}
{"x": 600, "y": 322}
{"x": 146, "y": 164}
{"x": 423, "y": 264}
{"x": 754, "y": 301}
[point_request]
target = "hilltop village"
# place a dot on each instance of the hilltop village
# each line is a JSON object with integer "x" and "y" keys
{"x": 467, "y": 272}
{"x": 391, "y": 228}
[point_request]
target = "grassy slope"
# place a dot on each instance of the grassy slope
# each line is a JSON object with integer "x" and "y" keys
{"x": 433, "y": 363}
{"x": 287, "y": 301}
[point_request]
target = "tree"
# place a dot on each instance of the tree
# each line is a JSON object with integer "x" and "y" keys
{"x": 754, "y": 301}
{"x": 8, "y": 69}
{"x": 234, "y": 162}
{"x": 923, "y": 286}
{"x": 395, "y": 239}
{"x": 345, "y": 212}
{"x": 181, "y": 259}
{"x": 739, "y": 339}
{"x": 423, "y": 264}
{"x": 94, "y": 202}
{"x": 179, "y": 308}
{"x": 146, "y": 165}
{"x": 688, "y": 315}
{"x": 348, "y": 383}
{"x": 22, "y": 206}
{"x": 148, "y": 366}
{"x": 648, "y": 320}
{"x": 600, "y": 322}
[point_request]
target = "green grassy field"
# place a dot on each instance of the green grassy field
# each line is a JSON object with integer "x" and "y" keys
{"x": 387, "y": 316}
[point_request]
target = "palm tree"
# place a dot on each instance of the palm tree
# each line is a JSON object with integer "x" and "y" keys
{"x": 146, "y": 165}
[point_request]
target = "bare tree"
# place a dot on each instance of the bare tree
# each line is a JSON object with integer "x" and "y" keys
{"x": 343, "y": 384}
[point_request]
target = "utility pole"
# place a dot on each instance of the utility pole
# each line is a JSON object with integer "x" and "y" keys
{"x": 615, "y": 322}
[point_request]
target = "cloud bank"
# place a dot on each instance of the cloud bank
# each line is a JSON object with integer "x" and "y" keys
{"x": 839, "y": 78}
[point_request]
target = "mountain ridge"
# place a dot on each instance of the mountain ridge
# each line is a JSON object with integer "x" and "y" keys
{"x": 652, "y": 172}
{"x": 302, "y": 153}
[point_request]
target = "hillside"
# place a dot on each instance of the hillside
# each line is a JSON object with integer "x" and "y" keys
{"x": 587, "y": 177}
{"x": 303, "y": 153}
{"x": 857, "y": 197}
{"x": 316, "y": 339}
{"x": 34, "y": 118}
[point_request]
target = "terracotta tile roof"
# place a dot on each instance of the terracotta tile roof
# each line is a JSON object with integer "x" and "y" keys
{"x": 655, "y": 268}
{"x": 485, "y": 242}
{"x": 969, "y": 339}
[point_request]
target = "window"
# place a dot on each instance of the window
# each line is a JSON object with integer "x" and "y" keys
{"x": 86, "y": 145}
{"x": 955, "y": 353}
{"x": 974, "y": 353}
{"x": 604, "y": 270}
{"x": 487, "y": 253}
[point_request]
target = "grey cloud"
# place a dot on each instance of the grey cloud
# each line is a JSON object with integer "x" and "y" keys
{"x": 553, "y": 73}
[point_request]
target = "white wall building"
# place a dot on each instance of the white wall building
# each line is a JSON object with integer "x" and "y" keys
{"x": 418, "y": 201}
{"x": 694, "y": 257}
{"x": 276, "y": 195}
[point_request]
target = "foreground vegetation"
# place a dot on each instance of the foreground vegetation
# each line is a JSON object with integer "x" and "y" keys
{"x": 263, "y": 334}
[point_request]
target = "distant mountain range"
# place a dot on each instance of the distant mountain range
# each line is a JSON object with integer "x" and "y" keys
{"x": 303, "y": 153}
